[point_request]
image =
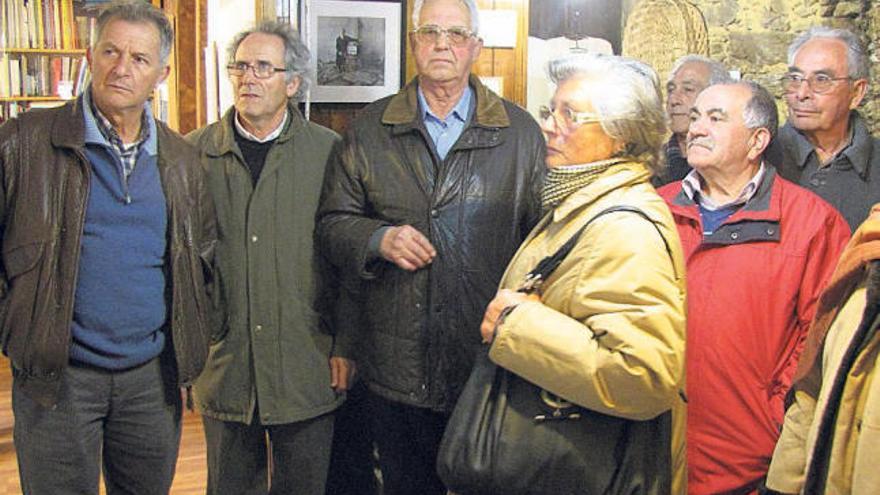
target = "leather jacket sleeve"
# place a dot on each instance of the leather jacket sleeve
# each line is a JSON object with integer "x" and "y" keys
{"x": 7, "y": 138}
{"x": 208, "y": 235}
{"x": 344, "y": 225}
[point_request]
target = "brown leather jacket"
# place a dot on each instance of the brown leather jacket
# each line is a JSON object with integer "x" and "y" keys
{"x": 43, "y": 195}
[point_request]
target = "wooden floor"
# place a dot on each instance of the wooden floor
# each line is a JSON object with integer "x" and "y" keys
{"x": 191, "y": 470}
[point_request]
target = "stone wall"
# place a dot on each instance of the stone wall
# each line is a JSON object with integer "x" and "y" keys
{"x": 752, "y": 36}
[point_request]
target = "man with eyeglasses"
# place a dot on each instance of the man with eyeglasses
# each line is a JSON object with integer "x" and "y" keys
{"x": 432, "y": 191}
{"x": 826, "y": 146}
{"x": 275, "y": 373}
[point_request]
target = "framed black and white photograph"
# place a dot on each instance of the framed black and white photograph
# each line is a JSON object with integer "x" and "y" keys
{"x": 355, "y": 49}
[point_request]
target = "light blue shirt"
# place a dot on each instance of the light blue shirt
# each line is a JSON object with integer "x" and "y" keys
{"x": 446, "y": 132}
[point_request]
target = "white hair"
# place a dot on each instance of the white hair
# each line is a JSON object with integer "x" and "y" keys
{"x": 717, "y": 72}
{"x": 470, "y": 4}
{"x": 856, "y": 59}
{"x": 625, "y": 93}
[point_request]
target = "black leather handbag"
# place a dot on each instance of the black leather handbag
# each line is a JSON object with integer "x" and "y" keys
{"x": 507, "y": 436}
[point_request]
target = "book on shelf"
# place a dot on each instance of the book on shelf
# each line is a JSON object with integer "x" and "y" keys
{"x": 43, "y": 74}
{"x": 4, "y": 76}
{"x": 46, "y": 24}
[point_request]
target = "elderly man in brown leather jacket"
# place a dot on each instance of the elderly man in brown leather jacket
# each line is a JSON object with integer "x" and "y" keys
{"x": 107, "y": 233}
{"x": 432, "y": 192}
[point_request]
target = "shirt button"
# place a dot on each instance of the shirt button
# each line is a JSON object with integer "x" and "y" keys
{"x": 258, "y": 328}
{"x": 434, "y": 213}
{"x": 418, "y": 306}
{"x": 254, "y": 238}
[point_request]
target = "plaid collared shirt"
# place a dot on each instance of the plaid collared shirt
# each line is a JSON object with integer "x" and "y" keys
{"x": 127, "y": 153}
{"x": 694, "y": 190}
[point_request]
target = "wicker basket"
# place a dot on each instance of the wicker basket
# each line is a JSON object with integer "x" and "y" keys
{"x": 659, "y": 32}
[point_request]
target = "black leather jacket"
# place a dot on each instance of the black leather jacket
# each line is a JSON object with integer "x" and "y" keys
{"x": 420, "y": 330}
{"x": 43, "y": 198}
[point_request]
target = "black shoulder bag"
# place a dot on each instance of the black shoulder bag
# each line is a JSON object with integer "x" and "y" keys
{"x": 507, "y": 436}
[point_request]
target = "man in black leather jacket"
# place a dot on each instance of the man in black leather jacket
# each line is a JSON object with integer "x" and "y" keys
{"x": 431, "y": 193}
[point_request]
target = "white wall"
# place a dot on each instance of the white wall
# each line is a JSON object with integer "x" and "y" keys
{"x": 225, "y": 18}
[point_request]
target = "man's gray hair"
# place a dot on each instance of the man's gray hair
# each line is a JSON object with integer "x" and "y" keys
{"x": 760, "y": 111}
{"x": 296, "y": 53}
{"x": 470, "y": 4}
{"x": 856, "y": 58}
{"x": 625, "y": 93}
{"x": 717, "y": 72}
{"x": 141, "y": 12}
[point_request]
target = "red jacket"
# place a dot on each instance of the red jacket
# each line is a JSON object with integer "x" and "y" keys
{"x": 752, "y": 291}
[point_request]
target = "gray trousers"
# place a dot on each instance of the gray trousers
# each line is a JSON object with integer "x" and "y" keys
{"x": 126, "y": 422}
{"x": 238, "y": 461}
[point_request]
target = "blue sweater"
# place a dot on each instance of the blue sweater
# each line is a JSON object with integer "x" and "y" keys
{"x": 119, "y": 307}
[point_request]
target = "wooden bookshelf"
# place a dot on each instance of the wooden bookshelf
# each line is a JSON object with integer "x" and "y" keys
{"x": 45, "y": 51}
{"x": 31, "y": 98}
{"x": 42, "y": 52}
{"x": 181, "y": 103}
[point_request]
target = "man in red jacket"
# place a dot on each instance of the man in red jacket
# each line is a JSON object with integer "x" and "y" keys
{"x": 758, "y": 249}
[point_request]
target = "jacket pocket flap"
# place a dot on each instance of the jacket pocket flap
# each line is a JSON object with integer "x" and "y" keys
{"x": 21, "y": 259}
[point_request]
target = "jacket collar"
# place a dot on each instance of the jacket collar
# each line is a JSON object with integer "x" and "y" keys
{"x": 68, "y": 128}
{"x": 858, "y": 152}
{"x": 223, "y": 141}
{"x": 862, "y": 251}
{"x": 757, "y": 220}
{"x": 757, "y": 205}
{"x": 403, "y": 108}
{"x": 619, "y": 175}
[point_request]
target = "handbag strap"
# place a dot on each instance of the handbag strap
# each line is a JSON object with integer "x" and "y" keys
{"x": 535, "y": 278}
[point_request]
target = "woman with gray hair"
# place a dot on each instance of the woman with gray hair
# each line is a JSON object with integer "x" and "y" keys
{"x": 604, "y": 335}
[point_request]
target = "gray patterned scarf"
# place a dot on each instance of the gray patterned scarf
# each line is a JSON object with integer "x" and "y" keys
{"x": 562, "y": 181}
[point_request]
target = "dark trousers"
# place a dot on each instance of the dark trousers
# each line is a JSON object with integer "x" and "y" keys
{"x": 127, "y": 422}
{"x": 238, "y": 461}
{"x": 408, "y": 439}
{"x": 352, "y": 462}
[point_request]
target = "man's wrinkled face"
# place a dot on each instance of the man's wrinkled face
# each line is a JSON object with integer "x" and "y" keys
{"x": 810, "y": 111}
{"x": 718, "y": 141}
{"x": 682, "y": 91}
{"x": 258, "y": 100}
{"x": 126, "y": 66}
{"x": 443, "y": 61}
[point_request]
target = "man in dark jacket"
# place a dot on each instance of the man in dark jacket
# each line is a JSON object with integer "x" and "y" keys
{"x": 432, "y": 192}
{"x": 826, "y": 146}
{"x": 273, "y": 372}
{"x": 107, "y": 233}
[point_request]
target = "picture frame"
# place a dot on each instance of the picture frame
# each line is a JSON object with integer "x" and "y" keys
{"x": 356, "y": 49}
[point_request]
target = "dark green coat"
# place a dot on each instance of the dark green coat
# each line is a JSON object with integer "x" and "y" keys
{"x": 268, "y": 342}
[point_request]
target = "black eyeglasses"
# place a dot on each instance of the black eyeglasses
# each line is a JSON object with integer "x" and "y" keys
{"x": 430, "y": 34}
{"x": 819, "y": 83}
{"x": 261, "y": 70}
